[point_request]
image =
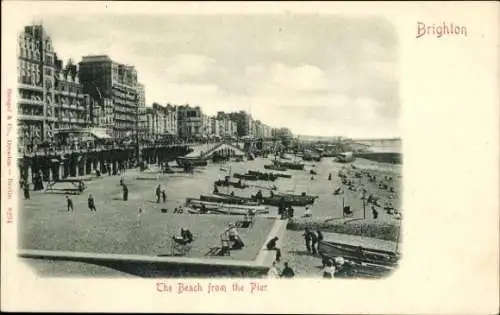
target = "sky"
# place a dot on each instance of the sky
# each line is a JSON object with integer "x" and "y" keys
{"x": 315, "y": 74}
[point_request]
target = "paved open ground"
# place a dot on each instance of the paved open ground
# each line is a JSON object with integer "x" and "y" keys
{"x": 116, "y": 227}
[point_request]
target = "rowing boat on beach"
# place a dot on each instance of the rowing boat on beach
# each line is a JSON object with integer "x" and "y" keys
{"x": 358, "y": 249}
{"x": 258, "y": 173}
{"x": 225, "y": 198}
{"x": 227, "y": 183}
{"x": 226, "y": 208}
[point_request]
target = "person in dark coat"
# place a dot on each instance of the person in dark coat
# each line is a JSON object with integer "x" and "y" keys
{"x": 307, "y": 238}
{"x": 26, "y": 190}
{"x": 125, "y": 192}
{"x": 91, "y": 203}
{"x": 330, "y": 176}
{"x": 164, "y": 196}
{"x": 69, "y": 203}
{"x": 187, "y": 236}
{"x": 314, "y": 242}
{"x": 374, "y": 212}
{"x": 287, "y": 272}
{"x": 158, "y": 193}
{"x": 272, "y": 245}
{"x": 290, "y": 212}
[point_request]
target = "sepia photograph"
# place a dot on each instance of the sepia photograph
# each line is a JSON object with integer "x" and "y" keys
{"x": 209, "y": 146}
{"x": 250, "y": 157}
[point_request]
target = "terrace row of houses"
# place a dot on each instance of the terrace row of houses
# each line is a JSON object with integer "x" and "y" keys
{"x": 187, "y": 121}
{"x": 54, "y": 98}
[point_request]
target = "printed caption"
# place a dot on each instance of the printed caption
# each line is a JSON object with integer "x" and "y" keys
{"x": 211, "y": 288}
{"x": 8, "y": 136}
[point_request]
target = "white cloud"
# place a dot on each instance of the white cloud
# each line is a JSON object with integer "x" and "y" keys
{"x": 188, "y": 65}
{"x": 278, "y": 78}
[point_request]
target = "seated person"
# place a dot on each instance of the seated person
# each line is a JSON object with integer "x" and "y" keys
{"x": 234, "y": 236}
{"x": 185, "y": 238}
{"x": 272, "y": 245}
{"x": 347, "y": 210}
{"x": 308, "y": 212}
{"x": 216, "y": 190}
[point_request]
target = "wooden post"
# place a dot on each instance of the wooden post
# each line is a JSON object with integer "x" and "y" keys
{"x": 364, "y": 209}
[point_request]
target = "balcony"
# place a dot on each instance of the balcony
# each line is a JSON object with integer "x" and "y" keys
{"x": 30, "y": 117}
{"x": 30, "y": 102}
{"x": 64, "y": 105}
{"x": 31, "y": 87}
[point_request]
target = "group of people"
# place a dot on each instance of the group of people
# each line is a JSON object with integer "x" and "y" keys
{"x": 337, "y": 268}
{"x": 312, "y": 240}
{"x": 160, "y": 194}
{"x": 287, "y": 271}
{"x": 185, "y": 237}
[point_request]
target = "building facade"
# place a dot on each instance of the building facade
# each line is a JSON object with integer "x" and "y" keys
{"x": 72, "y": 107}
{"x": 141, "y": 95}
{"x": 190, "y": 122}
{"x": 105, "y": 79}
{"x": 36, "y": 87}
{"x": 51, "y": 96}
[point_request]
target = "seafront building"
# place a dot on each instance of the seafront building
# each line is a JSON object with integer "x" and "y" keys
{"x": 114, "y": 86}
{"x": 103, "y": 97}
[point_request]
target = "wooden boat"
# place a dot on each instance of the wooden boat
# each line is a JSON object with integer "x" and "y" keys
{"x": 226, "y": 208}
{"x": 245, "y": 176}
{"x": 275, "y": 167}
{"x": 260, "y": 176}
{"x": 303, "y": 196}
{"x": 184, "y": 161}
{"x": 311, "y": 157}
{"x": 276, "y": 200}
{"x": 225, "y": 198}
{"x": 358, "y": 253}
{"x": 292, "y": 165}
{"x": 258, "y": 173}
{"x": 222, "y": 182}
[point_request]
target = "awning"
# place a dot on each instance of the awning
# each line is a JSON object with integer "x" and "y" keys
{"x": 100, "y": 134}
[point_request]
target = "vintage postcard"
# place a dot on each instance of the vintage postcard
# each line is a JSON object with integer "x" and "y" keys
{"x": 295, "y": 157}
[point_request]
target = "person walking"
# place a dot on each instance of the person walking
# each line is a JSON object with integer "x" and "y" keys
{"x": 314, "y": 242}
{"x": 164, "y": 196}
{"x": 125, "y": 192}
{"x": 307, "y": 238}
{"x": 374, "y": 212}
{"x": 69, "y": 203}
{"x": 320, "y": 236}
{"x": 158, "y": 193}
{"x": 26, "y": 190}
{"x": 91, "y": 203}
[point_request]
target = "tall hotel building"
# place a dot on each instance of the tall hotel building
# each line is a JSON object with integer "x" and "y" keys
{"x": 114, "y": 88}
{"x": 36, "y": 83}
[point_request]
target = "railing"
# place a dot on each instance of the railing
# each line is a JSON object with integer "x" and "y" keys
{"x": 30, "y": 117}
{"x": 30, "y": 86}
{"x": 31, "y": 102}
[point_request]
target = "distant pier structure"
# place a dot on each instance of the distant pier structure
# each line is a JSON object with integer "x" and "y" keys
{"x": 389, "y": 145}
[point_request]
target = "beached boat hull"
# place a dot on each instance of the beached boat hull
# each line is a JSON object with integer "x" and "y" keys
{"x": 276, "y": 200}
{"x": 229, "y": 183}
{"x": 292, "y": 166}
{"x": 268, "y": 177}
{"x": 275, "y": 168}
{"x": 187, "y": 161}
{"x": 226, "y": 208}
{"x": 226, "y": 199}
{"x": 275, "y": 175}
{"x": 358, "y": 254}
